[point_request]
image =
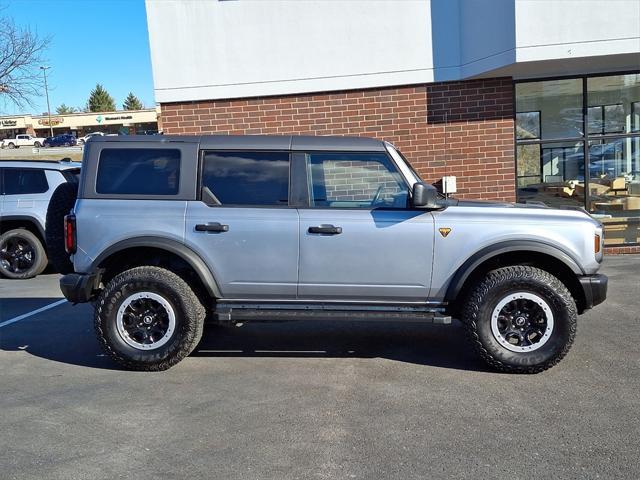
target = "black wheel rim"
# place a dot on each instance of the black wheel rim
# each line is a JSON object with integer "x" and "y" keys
{"x": 522, "y": 322}
{"x": 145, "y": 320}
{"x": 17, "y": 255}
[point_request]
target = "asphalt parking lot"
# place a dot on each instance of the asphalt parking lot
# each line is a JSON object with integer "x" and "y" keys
{"x": 316, "y": 400}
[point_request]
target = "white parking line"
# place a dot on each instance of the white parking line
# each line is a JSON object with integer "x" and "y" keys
{"x": 35, "y": 312}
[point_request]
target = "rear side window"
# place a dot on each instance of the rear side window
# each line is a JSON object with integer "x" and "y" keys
{"x": 138, "y": 171}
{"x": 247, "y": 178}
{"x": 22, "y": 181}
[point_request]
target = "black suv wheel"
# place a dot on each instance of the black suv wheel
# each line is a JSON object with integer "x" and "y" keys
{"x": 60, "y": 204}
{"x": 21, "y": 254}
{"x": 521, "y": 319}
{"x": 148, "y": 318}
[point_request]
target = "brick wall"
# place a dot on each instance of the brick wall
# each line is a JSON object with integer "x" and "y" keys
{"x": 354, "y": 181}
{"x": 621, "y": 250}
{"x": 456, "y": 128}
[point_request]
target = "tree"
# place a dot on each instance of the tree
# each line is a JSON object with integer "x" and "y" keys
{"x": 100, "y": 100}
{"x": 132, "y": 103}
{"x": 64, "y": 109}
{"x": 20, "y": 56}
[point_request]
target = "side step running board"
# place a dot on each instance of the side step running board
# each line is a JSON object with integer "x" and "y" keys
{"x": 229, "y": 312}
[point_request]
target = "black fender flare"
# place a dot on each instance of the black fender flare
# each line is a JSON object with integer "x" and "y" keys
{"x": 481, "y": 256}
{"x": 173, "y": 246}
{"x": 26, "y": 219}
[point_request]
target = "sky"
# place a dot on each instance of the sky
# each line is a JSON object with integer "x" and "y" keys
{"x": 92, "y": 41}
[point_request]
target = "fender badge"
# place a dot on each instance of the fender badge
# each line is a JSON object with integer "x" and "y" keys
{"x": 444, "y": 231}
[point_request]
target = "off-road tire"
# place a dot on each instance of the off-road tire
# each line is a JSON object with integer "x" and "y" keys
{"x": 60, "y": 204}
{"x": 189, "y": 313}
{"x": 40, "y": 262}
{"x": 497, "y": 284}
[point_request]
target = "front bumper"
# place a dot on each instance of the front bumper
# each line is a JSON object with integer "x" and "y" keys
{"x": 594, "y": 288}
{"x": 80, "y": 287}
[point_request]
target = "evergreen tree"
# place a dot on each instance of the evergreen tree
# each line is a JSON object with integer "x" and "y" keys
{"x": 100, "y": 100}
{"x": 132, "y": 103}
{"x": 64, "y": 109}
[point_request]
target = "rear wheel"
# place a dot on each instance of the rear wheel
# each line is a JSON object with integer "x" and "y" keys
{"x": 11, "y": 145}
{"x": 21, "y": 254}
{"x": 37, "y": 144}
{"x": 521, "y": 319}
{"x": 148, "y": 318}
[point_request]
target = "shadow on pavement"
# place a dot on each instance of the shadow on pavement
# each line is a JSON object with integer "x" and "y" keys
{"x": 66, "y": 335}
{"x": 418, "y": 343}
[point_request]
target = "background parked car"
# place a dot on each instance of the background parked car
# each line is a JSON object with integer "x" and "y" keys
{"x": 62, "y": 140}
{"x": 22, "y": 140}
{"x": 83, "y": 140}
{"x": 26, "y": 189}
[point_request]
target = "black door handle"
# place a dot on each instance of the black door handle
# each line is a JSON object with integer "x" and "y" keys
{"x": 212, "y": 227}
{"x": 326, "y": 229}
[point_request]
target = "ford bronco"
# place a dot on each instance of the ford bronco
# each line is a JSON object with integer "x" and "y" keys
{"x": 165, "y": 232}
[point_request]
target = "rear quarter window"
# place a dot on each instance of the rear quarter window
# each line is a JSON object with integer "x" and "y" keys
{"x": 24, "y": 181}
{"x": 138, "y": 171}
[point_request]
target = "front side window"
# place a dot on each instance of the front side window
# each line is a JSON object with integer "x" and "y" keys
{"x": 138, "y": 171}
{"x": 355, "y": 180}
{"x": 246, "y": 178}
{"x": 24, "y": 181}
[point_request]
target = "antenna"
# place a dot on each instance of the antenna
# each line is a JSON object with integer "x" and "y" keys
{"x": 446, "y": 156}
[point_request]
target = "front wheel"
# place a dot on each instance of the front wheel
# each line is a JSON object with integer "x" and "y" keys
{"x": 148, "y": 318}
{"x": 520, "y": 319}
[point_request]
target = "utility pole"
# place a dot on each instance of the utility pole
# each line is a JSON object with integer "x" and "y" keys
{"x": 46, "y": 91}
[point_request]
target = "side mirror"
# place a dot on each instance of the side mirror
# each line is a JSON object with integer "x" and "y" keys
{"x": 425, "y": 195}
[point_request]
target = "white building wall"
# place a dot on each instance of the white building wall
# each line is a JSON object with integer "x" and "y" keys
{"x": 218, "y": 49}
{"x": 230, "y": 49}
{"x": 553, "y": 29}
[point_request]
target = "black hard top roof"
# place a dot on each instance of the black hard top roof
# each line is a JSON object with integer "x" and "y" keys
{"x": 257, "y": 142}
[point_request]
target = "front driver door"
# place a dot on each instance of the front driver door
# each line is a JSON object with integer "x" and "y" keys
{"x": 358, "y": 239}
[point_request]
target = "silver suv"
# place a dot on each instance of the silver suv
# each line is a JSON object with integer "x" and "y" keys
{"x": 169, "y": 231}
{"x": 25, "y": 190}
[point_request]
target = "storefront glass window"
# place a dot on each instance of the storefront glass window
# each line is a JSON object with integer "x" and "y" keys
{"x": 552, "y": 173}
{"x": 615, "y": 96}
{"x": 578, "y": 143}
{"x": 557, "y": 105}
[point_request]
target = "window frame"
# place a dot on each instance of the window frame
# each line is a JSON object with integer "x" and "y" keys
{"x": 307, "y": 186}
{"x": 291, "y": 202}
{"x": 188, "y": 170}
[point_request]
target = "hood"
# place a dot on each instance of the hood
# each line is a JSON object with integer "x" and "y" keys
{"x": 493, "y": 203}
{"x": 497, "y": 204}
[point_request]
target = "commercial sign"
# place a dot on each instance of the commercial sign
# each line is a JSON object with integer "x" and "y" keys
{"x": 119, "y": 117}
{"x": 9, "y": 123}
{"x": 54, "y": 121}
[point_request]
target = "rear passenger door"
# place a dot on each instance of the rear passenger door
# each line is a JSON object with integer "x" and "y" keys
{"x": 359, "y": 241}
{"x": 244, "y": 225}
